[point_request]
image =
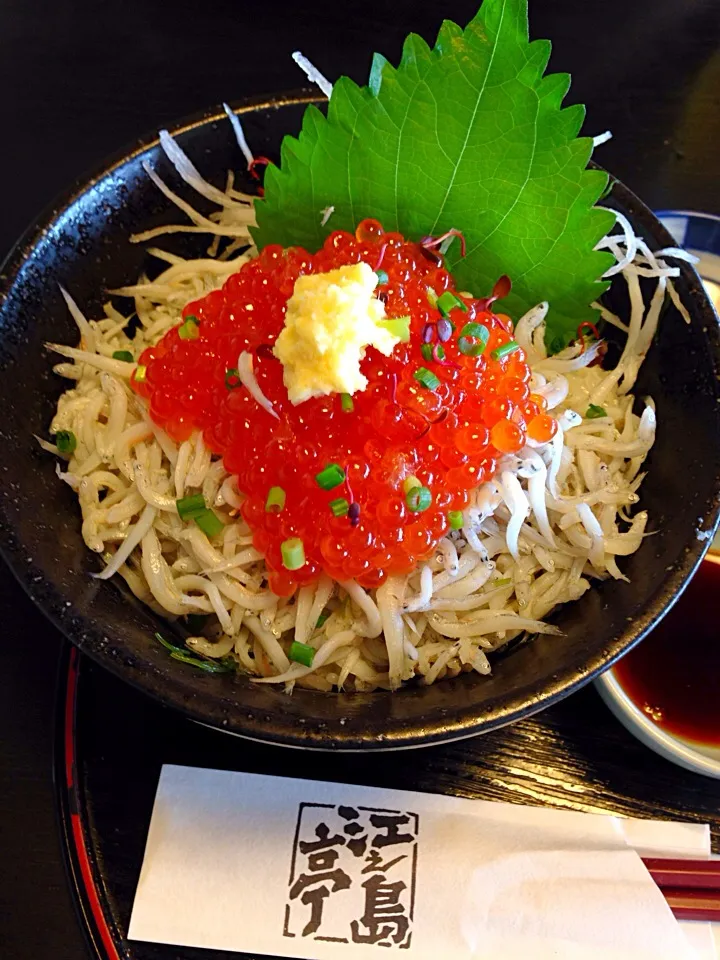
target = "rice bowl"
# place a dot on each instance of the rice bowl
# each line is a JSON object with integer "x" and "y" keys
{"x": 82, "y": 244}
{"x": 552, "y": 519}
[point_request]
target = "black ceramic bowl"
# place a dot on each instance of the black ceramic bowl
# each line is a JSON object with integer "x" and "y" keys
{"x": 82, "y": 243}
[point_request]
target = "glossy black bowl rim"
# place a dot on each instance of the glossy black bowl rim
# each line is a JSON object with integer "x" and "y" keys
{"x": 205, "y": 707}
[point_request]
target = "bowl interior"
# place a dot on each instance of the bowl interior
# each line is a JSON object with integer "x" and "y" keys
{"x": 83, "y": 244}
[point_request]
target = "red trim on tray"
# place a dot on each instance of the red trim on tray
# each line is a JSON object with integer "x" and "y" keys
{"x": 77, "y": 831}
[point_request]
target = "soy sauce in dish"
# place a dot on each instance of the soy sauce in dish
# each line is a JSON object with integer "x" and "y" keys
{"x": 674, "y": 674}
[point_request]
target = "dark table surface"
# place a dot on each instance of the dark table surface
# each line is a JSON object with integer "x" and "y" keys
{"x": 81, "y": 78}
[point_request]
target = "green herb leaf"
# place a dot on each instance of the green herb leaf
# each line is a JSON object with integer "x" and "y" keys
{"x": 594, "y": 412}
{"x": 469, "y": 135}
{"x": 66, "y": 442}
{"x": 209, "y": 666}
{"x": 556, "y": 343}
{"x": 166, "y": 643}
{"x": 223, "y": 665}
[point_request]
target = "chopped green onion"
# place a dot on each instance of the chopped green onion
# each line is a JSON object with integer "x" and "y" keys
{"x": 418, "y": 499}
{"x": 66, "y": 441}
{"x": 140, "y": 373}
{"x": 209, "y": 522}
{"x": 191, "y": 318}
{"x": 503, "y": 582}
{"x": 477, "y": 330}
{"x": 593, "y": 412}
{"x": 275, "y": 500}
{"x": 232, "y": 378}
{"x": 332, "y": 476}
{"x": 455, "y": 518}
{"x": 339, "y": 507}
{"x": 196, "y": 621}
{"x": 346, "y": 403}
{"x": 302, "y": 653}
{"x": 321, "y": 620}
{"x": 382, "y": 277}
{"x": 191, "y": 507}
{"x": 432, "y": 297}
{"x": 473, "y": 339}
{"x": 293, "y": 553}
{"x": 432, "y": 351}
{"x": 411, "y": 482}
{"x": 448, "y": 301}
{"x": 399, "y": 327}
{"x": 123, "y": 355}
{"x": 189, "y": 330}
{"x": 426, "y": 378}
{"x": 505, "y": 350}
{"x": 470, "y": 348}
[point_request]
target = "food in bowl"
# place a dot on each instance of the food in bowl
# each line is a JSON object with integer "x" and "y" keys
{"x": 395, "y": 494}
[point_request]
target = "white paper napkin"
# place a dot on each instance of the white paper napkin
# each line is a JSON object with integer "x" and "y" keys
{"x": 323, "y": 871}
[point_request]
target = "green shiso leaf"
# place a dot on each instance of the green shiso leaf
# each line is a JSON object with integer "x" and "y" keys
{"x": 469, "y": 135}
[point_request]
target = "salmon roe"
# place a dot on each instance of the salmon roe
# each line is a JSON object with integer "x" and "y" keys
{"x": 446, "y": 435}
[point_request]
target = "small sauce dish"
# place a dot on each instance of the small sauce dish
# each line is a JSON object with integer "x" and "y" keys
{"x": 666, "y": 690}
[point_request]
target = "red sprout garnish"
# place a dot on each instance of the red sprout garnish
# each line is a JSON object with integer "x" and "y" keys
{"x": 430, "y": 243}
{"x": 501, "y": 289}
{"x": 443, "y": 362}
{"x": 428, "y": 334}
{"x": 383, "y": 248}
{"x": 432, "y": 255}
{"x": 591, "y": 327}
{"x": 444, "y": 330}
{"x": 354, "y": 508}
{"x": 254, "y": 164}
{"x": 600, "y": 346}
{"x": 602, "y": 349}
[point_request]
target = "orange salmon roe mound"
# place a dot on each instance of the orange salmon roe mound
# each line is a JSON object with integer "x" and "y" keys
{"x": 448, "y": 437}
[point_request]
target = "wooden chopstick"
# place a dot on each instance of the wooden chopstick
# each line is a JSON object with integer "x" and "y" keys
{"x": 687, "y": 903}
{"x": 691, "y": 887}
{"x": 702, "y": 874}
